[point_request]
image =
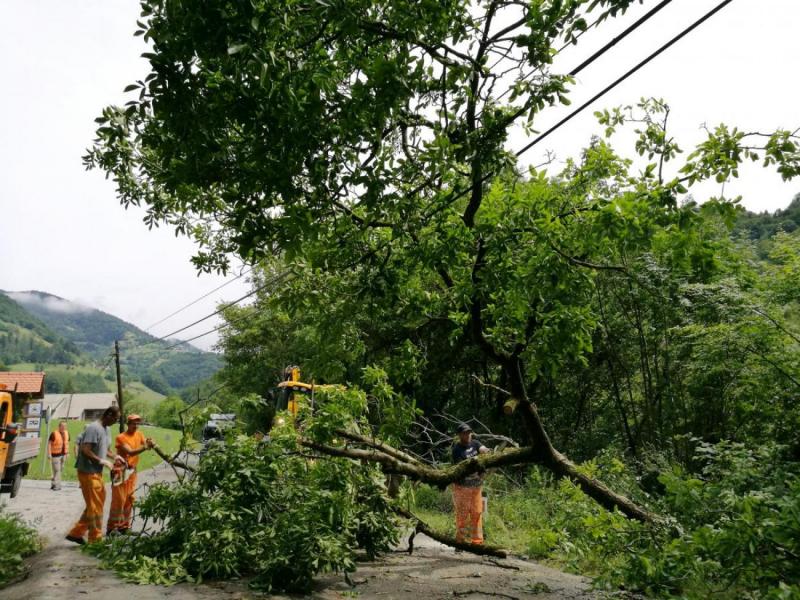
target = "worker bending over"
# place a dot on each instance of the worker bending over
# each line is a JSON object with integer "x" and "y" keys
{"x": 467, "y": 498}
{"x": 129, "y": 446}
{"x": 93, "y": 456}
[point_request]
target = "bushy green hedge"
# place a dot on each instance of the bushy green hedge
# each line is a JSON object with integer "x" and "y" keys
{"x": 735, "y": 531}
{"x": 17, "y": 541}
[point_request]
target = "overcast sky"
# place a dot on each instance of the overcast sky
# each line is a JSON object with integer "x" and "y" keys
{"x": 63, "y": 231}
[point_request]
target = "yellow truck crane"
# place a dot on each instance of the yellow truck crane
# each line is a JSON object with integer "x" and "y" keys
{"x": 16, "y": 452}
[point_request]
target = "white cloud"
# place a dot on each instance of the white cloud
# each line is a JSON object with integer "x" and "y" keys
{"x": 48, "y": 303}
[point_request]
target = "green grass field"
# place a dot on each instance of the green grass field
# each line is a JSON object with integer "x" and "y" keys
{"x": 141, "y": 391}
{"x": 167, "y": 439}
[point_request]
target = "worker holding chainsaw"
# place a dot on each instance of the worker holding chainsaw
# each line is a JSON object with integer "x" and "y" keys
{"x": 130, "y": 445}
{"x": 93, "y": 455}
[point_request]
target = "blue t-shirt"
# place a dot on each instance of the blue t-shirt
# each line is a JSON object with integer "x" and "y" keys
{"x": 97, "y": 435}
{"x": 462, "y": 453}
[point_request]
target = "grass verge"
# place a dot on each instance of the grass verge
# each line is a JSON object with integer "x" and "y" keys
{"x": 18, "y": 541}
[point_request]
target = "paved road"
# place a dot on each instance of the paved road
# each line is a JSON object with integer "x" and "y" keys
{"x": 62, "y": 570}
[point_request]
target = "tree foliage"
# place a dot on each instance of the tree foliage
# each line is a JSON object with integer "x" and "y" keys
{"x": 266, "y": 509}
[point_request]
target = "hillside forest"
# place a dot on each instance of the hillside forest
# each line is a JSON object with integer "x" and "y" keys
{"x": 73, "y": 343}
{"x": 624, "y": 339}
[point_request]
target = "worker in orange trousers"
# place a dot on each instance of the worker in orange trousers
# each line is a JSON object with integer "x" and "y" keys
{"x": 130, "y": 445}
{"x": 467, "y": 496}
{"x": 93, "y": 456}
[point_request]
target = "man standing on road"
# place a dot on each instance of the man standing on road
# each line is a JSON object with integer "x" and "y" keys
{"x": 93, "y": 456}
{"x": 57, "y": 452}
{"x": 129, "y": 446}
{"x": 467, "y": 498}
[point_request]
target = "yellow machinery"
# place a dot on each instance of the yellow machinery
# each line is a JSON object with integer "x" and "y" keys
{"x": 291, "y": 390}
{"x": 15, "y": 452}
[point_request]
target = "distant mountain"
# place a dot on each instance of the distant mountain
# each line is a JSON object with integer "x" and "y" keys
{"x": 25, "y": 338}
{"x": 92, "y": 332}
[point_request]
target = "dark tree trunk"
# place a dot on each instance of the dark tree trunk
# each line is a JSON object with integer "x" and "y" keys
{"x": 549, "y": 457}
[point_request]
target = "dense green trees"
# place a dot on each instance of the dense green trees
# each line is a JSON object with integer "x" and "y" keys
{"x": 765, "y": 225}
{"x": 24, "y": 338}
{"x": 369, "y": 137}
{"x": 166, "y": 414}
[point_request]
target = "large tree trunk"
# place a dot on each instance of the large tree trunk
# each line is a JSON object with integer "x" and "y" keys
{"x": 546, "y": 455}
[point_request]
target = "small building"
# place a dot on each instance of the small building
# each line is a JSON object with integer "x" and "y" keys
{"x": 82, "y": 407}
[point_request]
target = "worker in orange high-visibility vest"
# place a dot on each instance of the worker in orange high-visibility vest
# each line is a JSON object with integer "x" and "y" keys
{"x": 57, "y": 452}
{"x": 93, "y": 456}
{"x": 130, "y": 445}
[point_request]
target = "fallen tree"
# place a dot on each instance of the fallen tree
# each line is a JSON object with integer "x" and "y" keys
{"x": 433, "y": 476}
{"x": 368, "y": 140}
{"x": 392, "y": 463}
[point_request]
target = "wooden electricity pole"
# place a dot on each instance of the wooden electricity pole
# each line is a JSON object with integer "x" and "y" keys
{"x": 119, "y": 387}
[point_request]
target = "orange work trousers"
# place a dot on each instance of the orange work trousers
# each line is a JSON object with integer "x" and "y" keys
{"x": 94, "y": 495}
{"x": 469, "y": 513}
{"x": 119, "y": 517}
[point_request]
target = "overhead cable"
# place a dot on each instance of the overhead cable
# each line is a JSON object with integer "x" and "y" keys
{"x": 606, "y": 89}
{"x": 203, "y": 297}
{"x": 625, "y": 76}
{"x": 222, "y": 308}
{"x": 621, "y": 36}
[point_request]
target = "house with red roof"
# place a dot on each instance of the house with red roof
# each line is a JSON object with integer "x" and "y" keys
{"x": 26, "y": 384}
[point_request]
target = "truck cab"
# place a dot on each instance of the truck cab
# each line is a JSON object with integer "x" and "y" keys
{"x": 16, "y": 452}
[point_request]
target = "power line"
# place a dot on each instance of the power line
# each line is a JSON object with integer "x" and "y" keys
{"x": 613, "y": 42}
{"x": 621, "y": 36}
{"x": 209, "y": 332}
{"x": 193, "y": 302}
{"x": 263, "y": 286}
{"x": 108, "y": 362}
{"x": 603, "y": 92}
{"x": 625, "y": 76}
{"x": 191, "y": 339}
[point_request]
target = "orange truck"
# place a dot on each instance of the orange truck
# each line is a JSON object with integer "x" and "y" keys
{"x": 16, "y": 452}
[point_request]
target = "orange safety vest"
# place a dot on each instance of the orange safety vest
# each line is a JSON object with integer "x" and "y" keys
{"x": 59, "y": 443}
{"x": 132, "y": 441}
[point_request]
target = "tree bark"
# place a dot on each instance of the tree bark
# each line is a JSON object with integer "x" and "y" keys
{"x": 546, "y": 455}
{"x": 440, "y": 477}
{"x": 448, "y": 540}
{"x": 172, "y": 461}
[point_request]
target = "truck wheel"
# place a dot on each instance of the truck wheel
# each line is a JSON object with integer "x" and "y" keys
{"x": 16, "y": 481}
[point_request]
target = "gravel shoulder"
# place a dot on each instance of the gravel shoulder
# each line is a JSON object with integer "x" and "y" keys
{"x": 433, "y": 571}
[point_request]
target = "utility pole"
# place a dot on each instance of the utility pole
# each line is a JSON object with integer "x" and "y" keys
{"x": 119, "y": 387}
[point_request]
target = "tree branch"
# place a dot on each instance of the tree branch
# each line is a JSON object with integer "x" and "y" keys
{"x": 431, "y": 475}
{"x": 422, "y": 527}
